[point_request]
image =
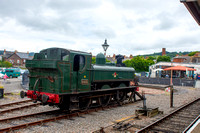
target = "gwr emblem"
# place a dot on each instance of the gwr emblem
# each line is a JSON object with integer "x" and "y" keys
{"x": 114, "y": 74}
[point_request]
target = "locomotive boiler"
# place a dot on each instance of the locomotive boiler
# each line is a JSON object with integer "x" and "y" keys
{"x": 67, "y": 79}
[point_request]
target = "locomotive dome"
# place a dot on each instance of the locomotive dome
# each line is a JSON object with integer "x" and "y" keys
{"x": 100, "y": 59}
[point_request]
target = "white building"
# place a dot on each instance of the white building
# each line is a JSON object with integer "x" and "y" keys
{"x": 155, "y": 70}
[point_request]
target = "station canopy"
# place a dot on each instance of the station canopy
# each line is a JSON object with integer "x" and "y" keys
{"x": 180, "y": 68}
{"x": 193, "y": 7}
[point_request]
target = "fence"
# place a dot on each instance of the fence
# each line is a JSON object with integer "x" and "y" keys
{"x": 166, "y": 81}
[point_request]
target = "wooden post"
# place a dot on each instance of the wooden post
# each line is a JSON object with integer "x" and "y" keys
{"x": 171, "y": 78}
{"x": 171, "y": 96}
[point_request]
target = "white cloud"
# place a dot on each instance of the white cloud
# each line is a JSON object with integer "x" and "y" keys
{"x": 130, "y": 26}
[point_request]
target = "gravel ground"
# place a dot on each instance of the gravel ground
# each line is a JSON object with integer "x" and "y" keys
{"x": 91, "y": 122}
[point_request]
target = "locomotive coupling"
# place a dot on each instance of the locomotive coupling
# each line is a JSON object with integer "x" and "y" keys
{"x": 23, "y": 94}
{"x": 45, "y": 98}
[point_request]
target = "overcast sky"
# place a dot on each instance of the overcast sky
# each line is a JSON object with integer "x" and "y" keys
{"x": 131, "y": 26}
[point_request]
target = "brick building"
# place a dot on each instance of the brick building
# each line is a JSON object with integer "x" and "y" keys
{"x": 16, "y": 58}
{"x": 187, "y": 59}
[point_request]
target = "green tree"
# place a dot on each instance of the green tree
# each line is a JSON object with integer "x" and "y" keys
{"x": 107, "y": 60}
{"x": 151, "y": 58}
{"x": 139, "y": 63}
{"x": 163, "y": 58}
{"x": 192, "y": 53}
{"x": 5, "y": 64}
{"x": 94, "y": 60}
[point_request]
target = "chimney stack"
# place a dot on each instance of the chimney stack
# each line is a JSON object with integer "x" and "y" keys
{"x": 4, "y": 52}
{"x": 15, "y": 51}
{"x": 163, "y": 51}
{"x": 114, "y": 56}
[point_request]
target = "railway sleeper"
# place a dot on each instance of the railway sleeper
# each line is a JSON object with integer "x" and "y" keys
{"x": 181, "y": 118}
{"x": 167, "y": 129}
{"x": 196, "y": 110}
{"x": 189, "y": 116}
{"x": 189, "y": 112}
{"x": 176, "y": 123}
{"x": 155, "y": 130}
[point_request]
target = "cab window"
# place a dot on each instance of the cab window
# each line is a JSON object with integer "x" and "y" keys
{"x": 79, "y": 62}
{"x": 64, "y": 55}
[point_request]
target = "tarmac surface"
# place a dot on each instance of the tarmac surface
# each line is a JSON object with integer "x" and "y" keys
{"x": 12, "y": 85}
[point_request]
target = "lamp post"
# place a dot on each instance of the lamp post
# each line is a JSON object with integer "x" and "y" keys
{"x": 105, "y": 46}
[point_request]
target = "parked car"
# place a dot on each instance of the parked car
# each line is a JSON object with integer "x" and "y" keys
{"x": 10, "y": 72}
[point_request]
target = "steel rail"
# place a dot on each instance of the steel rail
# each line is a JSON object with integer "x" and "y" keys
{"x": 154, "y": 86}
{"x": 66, "y": 116}
{"x": 28, "y": 115}
{"x": 192, "y": 124}
{"x": 21, "y": 107}
{"x": 148, "y": 127}
{"x": 9, "y": 104}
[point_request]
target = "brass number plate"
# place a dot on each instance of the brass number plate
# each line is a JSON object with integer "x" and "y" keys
{"x": 84, "y": 81}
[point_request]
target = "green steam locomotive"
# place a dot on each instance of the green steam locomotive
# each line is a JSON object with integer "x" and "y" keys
{"x": 67, "y": 79}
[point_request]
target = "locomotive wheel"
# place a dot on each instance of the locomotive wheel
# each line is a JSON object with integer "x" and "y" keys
{"x": 85, "y": 103}
{"x": 105, "y": 100}
{"x": 64, "y": 103}
{"x": 105, "y": 87}
{"x": 121, "y": 95}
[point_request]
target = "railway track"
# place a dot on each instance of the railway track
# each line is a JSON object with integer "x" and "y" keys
{"x": 62, "y": 115}
{"x": 177, "y": 121}
{"x": 18, "y": 107}
{"x": 14, "y": 103}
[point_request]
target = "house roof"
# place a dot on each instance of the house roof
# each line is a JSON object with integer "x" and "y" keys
{"x": 23, "y": 55}
{"x": 31, "y": 54}
{"x": 193, "y": 7}
{"x": 111, "y": 59}
{"x": 8, "y": 54}
{"x": 186, "y": 58}
{"x": 180, "y": 68}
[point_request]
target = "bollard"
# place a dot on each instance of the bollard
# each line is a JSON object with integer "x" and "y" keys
{"x": 144, "y": 101}
{"x": 171, "y": 96}
{"x": 1, "y": 91}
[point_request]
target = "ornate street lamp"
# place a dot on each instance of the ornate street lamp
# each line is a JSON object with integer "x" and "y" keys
{"x": 105, "y": 46}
